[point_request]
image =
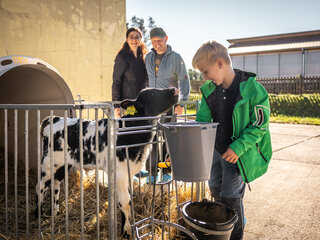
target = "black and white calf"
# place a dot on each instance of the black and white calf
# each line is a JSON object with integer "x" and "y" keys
{"x": 150, "y": 102}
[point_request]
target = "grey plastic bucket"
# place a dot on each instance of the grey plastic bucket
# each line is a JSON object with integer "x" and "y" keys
{"x": 209, "y": 220}
{"x": 191, "y": 148}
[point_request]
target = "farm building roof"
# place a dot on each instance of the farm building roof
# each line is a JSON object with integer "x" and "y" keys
{"x": 275, "y": 43}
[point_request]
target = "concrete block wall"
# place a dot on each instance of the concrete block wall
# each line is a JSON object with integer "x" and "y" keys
{"x": 79, "y": 38}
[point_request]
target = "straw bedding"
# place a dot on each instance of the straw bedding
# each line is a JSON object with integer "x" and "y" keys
{"x": 142, "y": 204}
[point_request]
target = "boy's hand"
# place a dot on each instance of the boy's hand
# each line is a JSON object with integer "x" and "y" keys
{"x": 179, "y": 110}
{"x": 117, "y": 113}
{"x": 230, "y": 156}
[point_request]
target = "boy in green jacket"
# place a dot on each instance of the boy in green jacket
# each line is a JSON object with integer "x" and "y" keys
{"x": 240, "y": 105}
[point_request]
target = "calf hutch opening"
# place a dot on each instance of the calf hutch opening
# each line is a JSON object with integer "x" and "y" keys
{"x": 28, "y": 80}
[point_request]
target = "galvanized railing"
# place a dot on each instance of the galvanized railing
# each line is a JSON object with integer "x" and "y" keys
{"x": 6, "y": 142}
{"x": 33, "y": 114}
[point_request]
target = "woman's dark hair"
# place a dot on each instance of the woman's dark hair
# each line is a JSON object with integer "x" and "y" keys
{"x": 133, "y": 29}
{"x": 142, "y": 48}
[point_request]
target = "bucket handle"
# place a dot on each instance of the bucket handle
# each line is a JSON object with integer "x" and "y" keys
{"x": 164, "y": 127}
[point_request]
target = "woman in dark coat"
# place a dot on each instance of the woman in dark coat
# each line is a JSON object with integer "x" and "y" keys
{"x": 129, "y": 71}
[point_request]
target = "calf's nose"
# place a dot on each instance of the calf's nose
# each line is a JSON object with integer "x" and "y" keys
{"x": 175, "y": 91}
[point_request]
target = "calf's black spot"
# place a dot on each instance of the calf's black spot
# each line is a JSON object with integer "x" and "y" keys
{"x": 57, "y": 141}
{"x": 45, "y": 146}
{"x": 59, "y": 175}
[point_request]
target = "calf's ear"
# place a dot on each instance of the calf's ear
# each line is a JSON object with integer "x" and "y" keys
{"x": 126, "y": 103}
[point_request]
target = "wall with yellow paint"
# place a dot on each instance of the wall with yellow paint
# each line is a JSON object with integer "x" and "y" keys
{"x": 79, "y": 38}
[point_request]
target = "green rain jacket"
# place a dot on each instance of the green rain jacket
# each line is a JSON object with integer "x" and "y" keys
{"x": 251, "y": 139}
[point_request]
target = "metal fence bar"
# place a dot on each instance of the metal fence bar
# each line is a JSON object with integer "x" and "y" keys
{"x": 38, "y": 173}
{"x": 40, "y": 106}
{"x": 16, "y": 170}
{"x": 130, "y": 187}
{"x": 192, "y": 191}
{"x": 6, "y": 165}
{"x": 203, "y": 190}
{"x": 134, "y": 128}
{"x": 52, "y": 175}
{"x": 55, "y": 106}
{"x": 97, "y": 174}
{"x": 135, "y": 132}
{"x": 104, "y": 114}
{"x": 114, "y": 196}
{"x": 66, "y": 171}
{"x": 81, "y": 173}
{"x": 169, "y": 206}
{"x": 139, "y": 144}
{"x": 112, "y": 217}
{"x": 27, "y": 169}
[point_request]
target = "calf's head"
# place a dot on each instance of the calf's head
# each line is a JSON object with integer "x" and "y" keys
{"x": 152, "y": 101}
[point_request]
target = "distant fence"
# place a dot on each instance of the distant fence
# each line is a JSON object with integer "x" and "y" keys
{"x": 293, "y": 85}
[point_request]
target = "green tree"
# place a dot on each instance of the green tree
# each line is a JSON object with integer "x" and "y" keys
{"x": 195, "y": 75}
{"x": 140, "y": 23}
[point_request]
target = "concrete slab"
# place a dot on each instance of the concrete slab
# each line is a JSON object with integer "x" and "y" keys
{"x": 292, "y": 142}
{"x": 280, "y": 141}
{"x": 307, "y": 151}
{"x": 294, "y": 129}
{"x": 284, "y": 203}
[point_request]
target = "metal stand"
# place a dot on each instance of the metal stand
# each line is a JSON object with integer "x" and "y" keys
{"x": 152, "y": 221}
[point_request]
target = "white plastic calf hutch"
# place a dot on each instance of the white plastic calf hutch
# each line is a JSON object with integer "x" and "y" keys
{"x": 28, "y": 80}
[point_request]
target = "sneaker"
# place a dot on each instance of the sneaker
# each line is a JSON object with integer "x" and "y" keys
{"x": 166, "y": 178}
{"x": 152, "y": 179}
{"x": 142, "y": 173}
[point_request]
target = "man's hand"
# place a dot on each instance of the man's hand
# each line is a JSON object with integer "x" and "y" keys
{"x": 230, "y": 156}
{"x": 179, "y": 110}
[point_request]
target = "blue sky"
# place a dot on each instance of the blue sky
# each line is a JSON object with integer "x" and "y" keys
{"x": 188, "y": 23}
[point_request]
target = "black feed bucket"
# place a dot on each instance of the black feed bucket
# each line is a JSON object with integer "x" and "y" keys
{"x": 191, "y": 147}
{"x": 209, "y": 220}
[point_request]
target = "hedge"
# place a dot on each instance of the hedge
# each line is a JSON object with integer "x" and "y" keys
{"x": 307, "y": 105}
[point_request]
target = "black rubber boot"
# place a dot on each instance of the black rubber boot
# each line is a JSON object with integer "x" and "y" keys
{"x": 237, "y": 205}
{"x": 216, "y": 194}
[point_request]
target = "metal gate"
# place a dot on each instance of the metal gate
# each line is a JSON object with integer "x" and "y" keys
{"x": 18, "y": 192}
{"x": 19, "y": 137}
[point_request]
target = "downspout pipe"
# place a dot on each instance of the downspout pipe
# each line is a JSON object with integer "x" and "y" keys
{"x": 303, "y": 62}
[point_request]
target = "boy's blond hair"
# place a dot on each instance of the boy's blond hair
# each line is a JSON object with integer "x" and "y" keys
{"x": 209, "y": 53}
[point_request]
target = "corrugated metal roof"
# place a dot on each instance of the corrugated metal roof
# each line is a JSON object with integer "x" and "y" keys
{"x": 275, "y": 43}
{"x": 274, "y": 47}
{"x": 280, "y": 38}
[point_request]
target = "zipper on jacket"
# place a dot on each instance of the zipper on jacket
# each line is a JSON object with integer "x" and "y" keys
{"x": 245, "y": 176}
{"x": 233, "y": 139}
{"x": 261, "y": 153}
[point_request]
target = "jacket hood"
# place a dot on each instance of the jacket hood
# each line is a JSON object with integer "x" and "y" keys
{"x": 246, "y": 88}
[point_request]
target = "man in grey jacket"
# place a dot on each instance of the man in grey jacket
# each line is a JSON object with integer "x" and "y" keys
{"x": 166, "y": 68}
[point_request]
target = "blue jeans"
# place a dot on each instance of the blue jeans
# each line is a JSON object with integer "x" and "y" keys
{"x": 226, "y": 186}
